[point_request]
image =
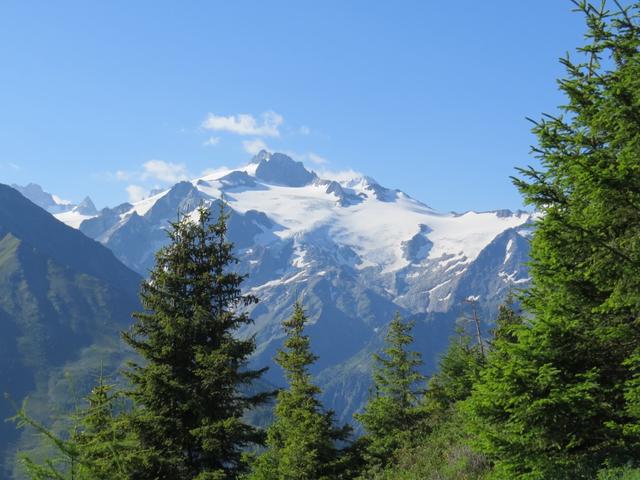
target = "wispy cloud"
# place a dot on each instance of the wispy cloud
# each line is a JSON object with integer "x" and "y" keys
{"x": 123, "y": 175}
{"x": 304, "y": 130}
{"x": 158, "y": 170}
{"x": 308, "y": 157}
{"x": 164, "y": 171}
{"x": 9, "y": 166}
{"x": 317, "y": 159}
{"x": 211, "y": 141}
{"x": 340, "y": 175}
{"x": 136, "y": 193}
{"x": 245, "y": 124}
{"x": 254, "y": 146}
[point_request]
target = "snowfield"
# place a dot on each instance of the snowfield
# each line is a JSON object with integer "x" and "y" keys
{"x": 374, "y": 226}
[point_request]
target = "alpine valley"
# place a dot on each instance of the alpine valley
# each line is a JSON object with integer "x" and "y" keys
{"x": 353, "y": 251}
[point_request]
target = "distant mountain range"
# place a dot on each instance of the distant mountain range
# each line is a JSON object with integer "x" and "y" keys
{"x": 352, "y": 250}
{"x": 63, "y": 299}
{"x": 67, "y": 212}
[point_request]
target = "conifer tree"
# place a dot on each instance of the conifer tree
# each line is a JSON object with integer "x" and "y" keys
{"x": 98, "y": 445}
{"x": 302, "y": 443}
{"x": 507, "y": 323}
{"x": 392, "y": 413}
{"x": 188, "y": 392}
{"x": 458, "y": 370}
{"x": 103, "y": 438}
{"x": 556, "y": 400}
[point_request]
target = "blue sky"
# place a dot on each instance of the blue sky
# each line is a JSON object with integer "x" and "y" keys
{"x": 111, "y": 98}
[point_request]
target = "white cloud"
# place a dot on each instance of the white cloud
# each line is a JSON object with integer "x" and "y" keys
{"x": 245, "y": 124}
{"x": 136, "y": 193}
{"x": 309, "y": 157}
{"x": 211, "y": 141}
{"x": 10, "y": 166}
{"x": 123, "y": 175}
{"x": 339, "y": 176}
{"x": 164, "y": 171}
{"x": 317, "y": 159}
{"x": 153, "y": 170}
{"x": 304, "y": 130}
{"x": 254, "y": 146}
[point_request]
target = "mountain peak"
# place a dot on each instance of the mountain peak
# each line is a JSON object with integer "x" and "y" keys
{"x": 260, "y": 156}
{"x": 52, "y": 238}
{"x": 86, "y": 207}
{"x": 51, "y": 203}
{"x": 36, "y": 194}
{"x": 281, "y": 169}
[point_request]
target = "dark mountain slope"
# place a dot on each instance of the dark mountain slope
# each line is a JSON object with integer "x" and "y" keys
{"x": 61, "y": 243}
{"x": 63, "y": 298}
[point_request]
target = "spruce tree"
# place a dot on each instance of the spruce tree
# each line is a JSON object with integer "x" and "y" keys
{"x": 458, "y": 370}
{"x": 393, "y": 412}
{"x": 189, "y": 389}
{"x": 97, "y": 446}
{"x": 104, "y": 439}
{"x": 302, "y": 442}
{"x": 557, "y": 399}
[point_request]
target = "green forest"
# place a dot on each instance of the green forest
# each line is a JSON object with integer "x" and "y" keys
{"x": 552, "y": 393}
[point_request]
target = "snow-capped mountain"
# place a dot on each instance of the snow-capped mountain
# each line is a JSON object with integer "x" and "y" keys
{"x": 352, "y": 250}
{"x": 70, "y": 213}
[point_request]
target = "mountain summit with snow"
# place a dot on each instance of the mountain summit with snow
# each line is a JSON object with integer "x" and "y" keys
{"x": 279, "y": 169}
{"x": 64, "y": 210}
{"x": 354, "y": 251}
{"x": 382, "y": 229}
